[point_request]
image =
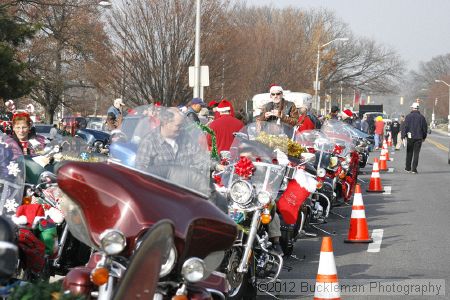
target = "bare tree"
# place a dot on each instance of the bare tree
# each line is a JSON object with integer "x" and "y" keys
{"x": 70, "y": 51}
{"x": 154, "y": 43}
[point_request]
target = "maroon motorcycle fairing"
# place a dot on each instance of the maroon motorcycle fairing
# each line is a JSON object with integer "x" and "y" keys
{"x": 112, "y": 196}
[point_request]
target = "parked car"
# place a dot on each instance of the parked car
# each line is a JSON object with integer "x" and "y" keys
{"x": 44, "y": 130}
{"x": 94, "y": 138}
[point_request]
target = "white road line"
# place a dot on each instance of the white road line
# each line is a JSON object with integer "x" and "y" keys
{"x": 393, "y": 153}
{"x": 377, "y": 236}
{"x": 390, "y": 170}
{"x": 387, "y": 190}
{"x": 391, "y": 159}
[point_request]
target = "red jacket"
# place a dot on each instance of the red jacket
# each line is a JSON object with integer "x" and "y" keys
{"x": 304, "y": 123}
{"x": 224, "y": 127}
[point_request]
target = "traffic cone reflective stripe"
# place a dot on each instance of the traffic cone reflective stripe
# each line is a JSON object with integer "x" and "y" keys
{"x": 358, "y": 231}
{"x": 386, "y": 152}
{"x": 327, "y": 285}
{"x": 375, "y": 180}
{"x": 383, "y": 163}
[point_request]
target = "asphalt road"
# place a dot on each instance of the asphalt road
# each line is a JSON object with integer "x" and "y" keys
{"x": 414, "y": 256}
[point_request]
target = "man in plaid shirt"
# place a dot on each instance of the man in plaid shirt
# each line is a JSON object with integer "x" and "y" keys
{"x": 167, "y": 148}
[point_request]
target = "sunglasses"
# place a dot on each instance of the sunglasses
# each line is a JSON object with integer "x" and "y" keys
{"x": 275, "y": 94}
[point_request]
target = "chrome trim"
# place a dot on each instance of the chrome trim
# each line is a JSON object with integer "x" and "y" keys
{"x": 243, "y": 266}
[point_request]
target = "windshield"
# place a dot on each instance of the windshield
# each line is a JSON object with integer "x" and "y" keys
{"x": 262, "y": 138}
{"x": 12, "y": 175}
{"x": 164, "y": 144}
{"x": 261, "y": 143}
{"x": 340, "y": 133}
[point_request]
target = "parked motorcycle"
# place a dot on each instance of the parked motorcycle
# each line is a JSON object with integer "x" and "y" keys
{"x": 252, "y": 180}
{"x": 111, "y": 207}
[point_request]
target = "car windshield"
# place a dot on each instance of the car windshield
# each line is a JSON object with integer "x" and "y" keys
{"x": 166, "y": 145}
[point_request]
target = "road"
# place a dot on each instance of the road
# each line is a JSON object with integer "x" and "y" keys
{"x": 414, "y": 219}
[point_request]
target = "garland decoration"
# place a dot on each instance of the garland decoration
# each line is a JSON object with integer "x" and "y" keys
{"x": 206, "y": 129}
{"x": 283, "y": 143}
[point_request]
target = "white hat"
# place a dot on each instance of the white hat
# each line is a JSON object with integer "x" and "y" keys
{"x": 415, "y": 105}
{"x": 275, "y": 89}
{"x": 118, "y": 101}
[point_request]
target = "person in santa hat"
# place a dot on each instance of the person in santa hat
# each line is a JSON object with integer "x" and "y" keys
{"x": 347, "y": 116}
{"x": 225, "y": 126}
{"x": 279, "y": 109}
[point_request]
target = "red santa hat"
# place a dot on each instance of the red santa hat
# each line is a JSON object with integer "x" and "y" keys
{"x": 224, "y": 106}
{"x": 348, "y": 112}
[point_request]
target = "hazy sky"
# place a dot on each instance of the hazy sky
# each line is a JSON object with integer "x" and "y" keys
{"x": 417, "y": 29}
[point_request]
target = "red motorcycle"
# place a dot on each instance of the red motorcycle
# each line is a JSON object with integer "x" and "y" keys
{"x": 111, "y": 207}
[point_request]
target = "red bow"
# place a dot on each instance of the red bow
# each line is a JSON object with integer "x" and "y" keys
{"x": 244, "y": 167}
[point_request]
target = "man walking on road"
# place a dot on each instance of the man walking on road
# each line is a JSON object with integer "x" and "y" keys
{"x": 415, "y": 130}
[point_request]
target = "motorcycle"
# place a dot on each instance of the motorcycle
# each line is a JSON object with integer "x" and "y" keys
{"x": 345, "y": 149}
{"x": 46, "y": 246}
{"x": 111, "y": 207}
{"x": 252, "y": 179}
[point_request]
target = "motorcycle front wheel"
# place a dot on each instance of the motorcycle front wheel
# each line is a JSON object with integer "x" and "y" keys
{"x": 241, "y": 286}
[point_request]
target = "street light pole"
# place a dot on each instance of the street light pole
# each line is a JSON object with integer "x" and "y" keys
{"x": 316, "y": 83}
{"x": 448, "y": 85}
{"x": 197, "y": 75}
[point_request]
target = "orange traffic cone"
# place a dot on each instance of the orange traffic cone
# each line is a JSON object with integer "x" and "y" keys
{"x": 327, "y": 285}
{"x": 389, "y": 142}
{"x": 386, "y": 152}
{"x": 383, "y": 163}
{"x": 358, "y": 231}
{"x": 375, "y": 180}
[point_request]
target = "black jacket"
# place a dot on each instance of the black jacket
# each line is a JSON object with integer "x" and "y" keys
{"x": 416, "y": 124}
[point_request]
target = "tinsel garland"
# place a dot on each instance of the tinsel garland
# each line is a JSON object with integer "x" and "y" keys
{"x": 206, "y": 129}
{"x": 283, "y": 143}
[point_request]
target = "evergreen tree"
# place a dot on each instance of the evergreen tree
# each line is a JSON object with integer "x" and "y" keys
{"x": 12, "y": 34}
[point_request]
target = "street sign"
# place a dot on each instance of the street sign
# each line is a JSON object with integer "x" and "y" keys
{"x": 315, "y": 84}
{"x": 204, "y": 76}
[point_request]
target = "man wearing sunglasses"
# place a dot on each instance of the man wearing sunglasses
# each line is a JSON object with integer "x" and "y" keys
{"x": 279, "y": 109}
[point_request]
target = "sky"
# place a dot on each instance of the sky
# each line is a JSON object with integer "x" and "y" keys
{"x": 417, "y": 29}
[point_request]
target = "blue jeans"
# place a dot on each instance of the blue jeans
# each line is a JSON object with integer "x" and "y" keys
{"x": 377, "y": 140}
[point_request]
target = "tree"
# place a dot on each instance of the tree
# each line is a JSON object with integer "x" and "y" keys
{"x": 68, "y": 55}
{"x": 13, "y": 33}
{"x": 154, "y": 46}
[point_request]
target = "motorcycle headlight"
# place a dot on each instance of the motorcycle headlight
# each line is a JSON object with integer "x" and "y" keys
{"x": 241, "y": 192}
{"x": 193, "y": 269}
{"x": 264, "y": 198}
{"x": 168, "y": 265}
{"x": 321, "y": 172}
{"x": 112, "y": 241}
{"x": 333, "y": 161}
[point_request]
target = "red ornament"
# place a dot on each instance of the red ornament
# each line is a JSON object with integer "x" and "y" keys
{"x": 218, "y": 180}
{"x": 244, "y": 167}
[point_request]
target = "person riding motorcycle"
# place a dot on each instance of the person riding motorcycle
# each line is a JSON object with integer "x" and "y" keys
{"x": 281, "y": 111}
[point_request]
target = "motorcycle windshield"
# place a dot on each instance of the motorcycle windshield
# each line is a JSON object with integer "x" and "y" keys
{"x": 339, "y": 133}
{"x": 315, "y": 139}
{"x": 261, "y": 143}
{"x": 12, "y": 176}
{"x": 264, "y": 140}
{"x": 164, "y": 143}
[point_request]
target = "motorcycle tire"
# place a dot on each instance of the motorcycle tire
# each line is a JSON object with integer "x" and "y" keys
{"x": 245, "y": 289}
